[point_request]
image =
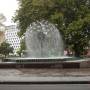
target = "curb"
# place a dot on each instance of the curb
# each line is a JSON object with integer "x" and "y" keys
{"x": 46, "y": 82}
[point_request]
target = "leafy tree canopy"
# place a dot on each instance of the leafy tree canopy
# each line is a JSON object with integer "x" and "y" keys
{"x": 22, "y": 47}
{"x": 72, "y": 18}
{"x": 5, "y": 49}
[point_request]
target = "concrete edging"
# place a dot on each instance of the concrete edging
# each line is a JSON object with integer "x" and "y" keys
{"x": 46, "y": 82}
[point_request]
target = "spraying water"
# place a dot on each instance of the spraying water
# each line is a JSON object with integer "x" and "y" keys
{"x": 43, "y": 40}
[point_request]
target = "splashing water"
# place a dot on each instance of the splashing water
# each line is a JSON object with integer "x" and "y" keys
{"x": 43, "y": 40}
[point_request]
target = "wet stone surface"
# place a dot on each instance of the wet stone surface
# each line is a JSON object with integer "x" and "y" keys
{"x": 40, "y": 75}
{"x": 45, "y": 72}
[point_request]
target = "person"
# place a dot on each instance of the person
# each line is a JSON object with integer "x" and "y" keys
{"x": 65, "y": 52}
{"x": 88, "y": 53}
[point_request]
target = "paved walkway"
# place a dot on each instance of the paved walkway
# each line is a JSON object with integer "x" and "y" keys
{"x": 42, "y": 79}
{"x": 40, "y": 75}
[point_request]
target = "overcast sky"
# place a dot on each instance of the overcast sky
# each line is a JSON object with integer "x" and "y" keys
{"x": 8, "y": 7}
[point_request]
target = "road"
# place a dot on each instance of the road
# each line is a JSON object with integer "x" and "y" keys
{"x": 46, "y": 87}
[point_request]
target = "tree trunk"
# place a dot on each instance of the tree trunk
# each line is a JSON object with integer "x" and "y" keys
{"x": 77, "y": 50}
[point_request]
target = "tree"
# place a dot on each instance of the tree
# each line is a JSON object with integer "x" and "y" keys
{"x": 2, "y": 28}
{"x": 72, "y": 18}
{"x": 78, "y": 35}
{"x": 5, "y": 49}
{"x": 22, "y": 47}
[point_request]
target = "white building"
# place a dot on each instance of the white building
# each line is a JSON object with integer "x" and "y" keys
{"x": 12, "y": 37}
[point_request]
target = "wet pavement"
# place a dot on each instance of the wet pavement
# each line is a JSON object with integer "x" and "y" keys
{"x": 26, "y": 75}
{"x": 46, "y": 87}
{"x": 45, "y": 72}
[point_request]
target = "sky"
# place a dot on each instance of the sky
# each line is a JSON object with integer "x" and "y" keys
{"x": 8, "y": 8}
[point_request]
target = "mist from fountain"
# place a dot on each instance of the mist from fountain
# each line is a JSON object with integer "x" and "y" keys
{"x": 43, "y": 40}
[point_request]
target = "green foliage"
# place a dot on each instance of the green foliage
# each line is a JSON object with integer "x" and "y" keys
{"x": 5, "y": 49}
{"x": 78, "y": 34}
{"x": 19, "y": 52}
{"x": 22, "y": 47}
{"x": 72, "y": 18}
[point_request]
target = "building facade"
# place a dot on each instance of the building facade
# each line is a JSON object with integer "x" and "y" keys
{"x": 12, "y": 38}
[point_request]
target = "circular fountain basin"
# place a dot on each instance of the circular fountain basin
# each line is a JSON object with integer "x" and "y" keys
{"x": 49, "y": 59}
{"x": 59, "y": 62}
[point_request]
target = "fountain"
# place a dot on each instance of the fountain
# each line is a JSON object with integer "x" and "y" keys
{"x": 44, "y": 47}
{"x": 43, "y": 40}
